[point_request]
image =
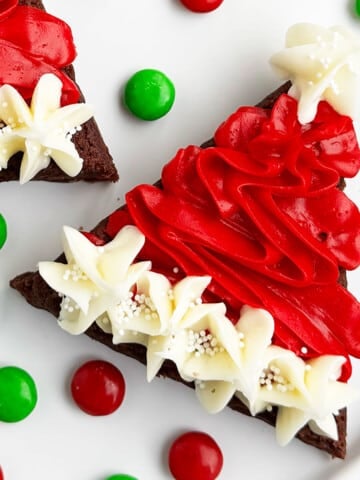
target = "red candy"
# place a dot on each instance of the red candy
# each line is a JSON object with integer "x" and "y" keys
{"x": 202, "y": 6}
{"x": 195, "y": 456}
{"x": 98, "y": 387}
{"x": 1, "y": 474}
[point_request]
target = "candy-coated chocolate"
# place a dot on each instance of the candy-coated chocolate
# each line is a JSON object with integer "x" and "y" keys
{"x": 149, "y": 94}
{"x": 202, "y": 6}
{"x": 3, "y": 231}
{"x": 18, "y": 394}
{"x": 120, "y": 476}
{"x": 195, "y": 456}
{"x": 98, "y": 387}
{"x": 357, "y": 7}
{"x": 1, "y": 474}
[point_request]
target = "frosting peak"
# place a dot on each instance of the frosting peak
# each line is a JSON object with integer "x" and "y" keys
{"x": 322, "y": 64}
{"x": 42, "y": 131}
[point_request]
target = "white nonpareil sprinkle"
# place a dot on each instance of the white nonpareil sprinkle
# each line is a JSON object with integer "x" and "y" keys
{"x": 68, "y": 305}
{"x": 74, "y": 273}
{"x": 271, "y": 378}
{"x": 203, "y": 342}
{"x": 135, "y": 305}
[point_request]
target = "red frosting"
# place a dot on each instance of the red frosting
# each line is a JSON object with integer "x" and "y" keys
{"x": 261, "y": 213}
{"x": 33, "y": 43}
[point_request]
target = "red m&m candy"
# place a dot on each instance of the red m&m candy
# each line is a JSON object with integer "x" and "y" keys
{"x": 98, "y": 387}
{"x": 1, "y": 474}
{"x": 201, "y": 6}
{"x": 195, "y": 456}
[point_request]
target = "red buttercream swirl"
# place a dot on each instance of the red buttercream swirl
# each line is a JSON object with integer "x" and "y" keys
{"x": 261, "y": 212}
{"x": 33, "y": 43}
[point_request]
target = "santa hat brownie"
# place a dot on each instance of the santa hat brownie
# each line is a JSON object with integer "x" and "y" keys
{"x": 228, "y": 274}
{"x": 47, "y": 132}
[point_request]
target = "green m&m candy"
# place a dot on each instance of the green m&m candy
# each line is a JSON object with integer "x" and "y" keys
{"x": 3, "y": 231}
{"x": 18, "y": 394}
{"x": 357, "y": 7}
{"x": 149, "y": 94}
{"x": 121, "y": 477}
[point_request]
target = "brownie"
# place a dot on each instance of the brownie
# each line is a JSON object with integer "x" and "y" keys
{"x": 97, "y": 161}
{"x": 40, "y": 295}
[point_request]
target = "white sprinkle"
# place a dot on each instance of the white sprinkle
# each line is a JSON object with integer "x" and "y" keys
{"x": 176, "y": 269}
{"x": 304, "y": 350}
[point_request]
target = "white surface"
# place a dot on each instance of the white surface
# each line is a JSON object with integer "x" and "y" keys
{"x": 217, "y": 62}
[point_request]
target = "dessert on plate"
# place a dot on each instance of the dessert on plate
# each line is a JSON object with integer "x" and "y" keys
{"x": 47, "y": 132}
{"x": 229, "y": 274}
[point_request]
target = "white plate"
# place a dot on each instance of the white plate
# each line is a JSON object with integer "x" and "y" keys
{"x": 217, "y": 62}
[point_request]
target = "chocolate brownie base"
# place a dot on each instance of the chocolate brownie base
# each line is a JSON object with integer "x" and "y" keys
{"x": 40, "y": 295}
{"x": 98, "y": 164}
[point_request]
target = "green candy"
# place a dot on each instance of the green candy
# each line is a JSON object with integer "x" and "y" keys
{"x": 149, "y": 94}
{"x": 121, "y": 477}
{"x": 357, "y": 7}
{"x": 3, "y": 231}
{"x": 18, "y": 395}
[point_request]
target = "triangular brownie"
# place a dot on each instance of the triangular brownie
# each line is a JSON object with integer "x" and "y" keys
{"x": 97, "y": 163}
{"x": 250, "y": 211}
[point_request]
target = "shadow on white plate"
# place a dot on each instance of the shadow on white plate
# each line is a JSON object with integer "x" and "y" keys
{"x": 348, "y": 469}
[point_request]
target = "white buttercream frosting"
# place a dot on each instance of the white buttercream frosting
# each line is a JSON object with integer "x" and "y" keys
{"x": 42, "y": 131}
{"x": 95, "y": 278}
{"x": 135, "y": 305}
{"x": 322, "y": 64}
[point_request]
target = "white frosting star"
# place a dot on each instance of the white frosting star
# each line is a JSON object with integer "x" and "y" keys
{"x": 152, "y": 313}
{"x": 304, "y": 392}
{"x": 253, "y": 333}
{"x": 94, "y": 278}
{"x": 322, "y": 64}
{"x": 41, "y": 131}
{"x": 177, "y": 302}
